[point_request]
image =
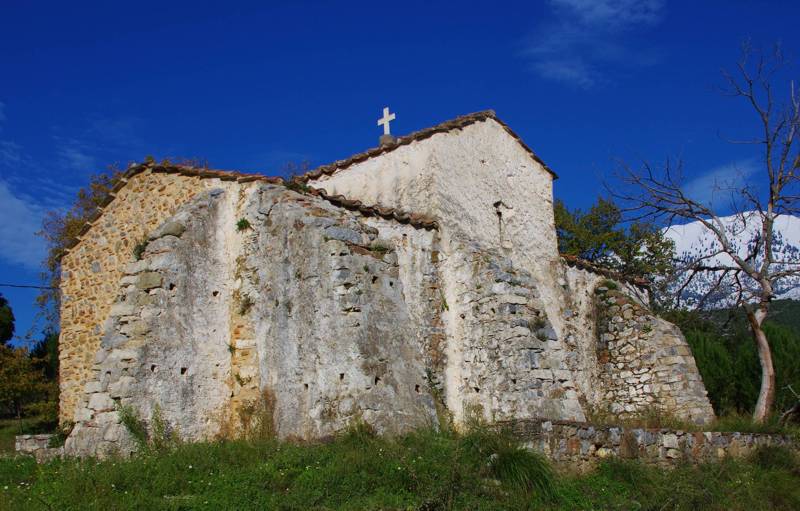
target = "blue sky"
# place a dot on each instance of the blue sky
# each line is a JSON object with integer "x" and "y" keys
{"x": 252, "y": 86}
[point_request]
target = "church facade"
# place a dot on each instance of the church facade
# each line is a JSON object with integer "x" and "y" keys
{"x": 415, "y": 283}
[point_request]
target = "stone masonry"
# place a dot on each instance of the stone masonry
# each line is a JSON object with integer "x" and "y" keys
{"x": 91, "y": 270}
{"x": 645, "y": 361}
{"x": 219, "y": 303}
{"x": 582, "y": 445}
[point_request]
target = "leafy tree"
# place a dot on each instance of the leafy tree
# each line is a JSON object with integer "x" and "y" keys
{"x": 599, "y": 236}
{"x": 29, "y": 381}
{"x": 21, "y": 382}
{"x": 590, "y": 235}
{"x": 6, "y": 321}
{"x": 45, "y": 355}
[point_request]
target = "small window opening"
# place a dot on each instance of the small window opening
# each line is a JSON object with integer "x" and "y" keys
{"x": 184, "y": 369}
{"x": 341, "y": 376}
{"x": 172, "y": 286}
{"x": 215, "y": 293}
{"x": 416, "y": 388}
{"x": 377, "y": 380}
{"x": 305, "y": 386}
{"x": 153, "y": 368}
{"x": 374, "y": 279}
{"x": 477, "y": 390}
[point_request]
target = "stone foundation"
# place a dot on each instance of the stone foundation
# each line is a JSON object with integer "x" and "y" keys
{"x": 38, "y": 446}
{"x": 582, "y": 445}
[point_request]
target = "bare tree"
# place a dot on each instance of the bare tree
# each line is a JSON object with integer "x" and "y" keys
{"x": 745, "y": 262}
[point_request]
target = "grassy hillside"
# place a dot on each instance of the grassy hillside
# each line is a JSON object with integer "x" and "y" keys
{"x": 422, "y": 471}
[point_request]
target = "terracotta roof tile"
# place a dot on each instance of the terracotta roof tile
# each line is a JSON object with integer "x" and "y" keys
{"x": 416, "y": 220}
{"x": 606, "y": 272}
{"x": 453, "y": 124}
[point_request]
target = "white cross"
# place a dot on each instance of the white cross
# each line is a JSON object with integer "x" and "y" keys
{"x": 385, "y": 120}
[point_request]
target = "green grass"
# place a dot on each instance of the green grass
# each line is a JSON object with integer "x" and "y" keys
{"x": 425, "y": 470}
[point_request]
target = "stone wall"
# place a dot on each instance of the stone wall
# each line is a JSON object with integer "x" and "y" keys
{"x": 38, "y": 446}
{"x": 583, "y": 445}
{"x": 480, "y": 184}
{"x": 91, "y": 270}
{"x": 343, "y": 314}
{"x": 165, "y": 348}
{"x": 504, "y": 357}
{"x": 645, "y": 362}
{"x": 625, "y": 360}
{"x": 255, "y": 304}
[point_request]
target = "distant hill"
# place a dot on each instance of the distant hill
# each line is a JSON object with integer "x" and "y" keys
{"x": 695, "y": 240}
{"x": 785, "y": 313}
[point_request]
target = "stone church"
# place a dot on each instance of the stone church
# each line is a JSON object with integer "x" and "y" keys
{"x": 416, "y": 282}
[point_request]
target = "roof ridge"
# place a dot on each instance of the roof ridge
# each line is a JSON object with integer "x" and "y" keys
{"x": 414, "y": 219}
{"x": 583, "y": 264}
{"x": 446, "y": 126}
{"x": 417, "y": 220}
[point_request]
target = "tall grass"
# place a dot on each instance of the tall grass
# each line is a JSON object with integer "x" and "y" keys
{"x": 424, "y": 470}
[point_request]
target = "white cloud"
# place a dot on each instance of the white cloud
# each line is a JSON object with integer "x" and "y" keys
{"x": 21, "y": 219}
{"x": 714, "y": 188}
{"x": 612, "y": 13}
{"x": 75, "y": 155}
{"x": 584, "y": 37}
{"x": 117, "y": 131}
{"x": 10, "y": 153}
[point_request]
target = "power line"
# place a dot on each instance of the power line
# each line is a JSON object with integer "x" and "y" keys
{"x": 27, "y": 287}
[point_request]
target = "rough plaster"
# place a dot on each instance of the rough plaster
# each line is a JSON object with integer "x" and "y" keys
{"x": 312, "y": 316}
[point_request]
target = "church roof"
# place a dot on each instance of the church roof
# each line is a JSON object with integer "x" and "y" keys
{"x": 416, "y": 220}
{"x": 583, "y": 264}
{"x": 447, "y": 126}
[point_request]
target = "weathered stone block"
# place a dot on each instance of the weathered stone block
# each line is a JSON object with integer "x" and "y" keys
{"x": 101, "y": 402}
{"x": 149, "y": 280}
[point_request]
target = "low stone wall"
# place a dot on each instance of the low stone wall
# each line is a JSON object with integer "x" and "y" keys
{"x": 582, "y": 444}
{"x": 37, "y": 446}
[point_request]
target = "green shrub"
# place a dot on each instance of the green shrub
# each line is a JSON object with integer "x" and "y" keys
{"x": 135, "y": 426}
{"x": 609, "y": 284}
{"x": 296, "y": 185}
{"x": 506, "y": 460}
{"x": 245, "y": 304}
{"x": 139, "y": 248}
{"x": 775, "y": 457}
{"x": 158, "y": 438}
{"x": 242, "y": 224}
{"x": 381, "y": 246}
